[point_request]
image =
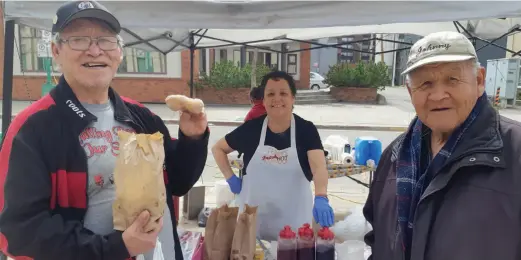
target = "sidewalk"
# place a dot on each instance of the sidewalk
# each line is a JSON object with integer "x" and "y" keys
{"x": 327, "y": 116}
{"x": 395, "y": 116}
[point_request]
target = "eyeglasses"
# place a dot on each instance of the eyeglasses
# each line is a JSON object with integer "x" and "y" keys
{"x": 83, "y": 43}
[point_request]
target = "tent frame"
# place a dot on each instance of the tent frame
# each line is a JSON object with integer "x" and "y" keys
{"x": 9, "y": 40}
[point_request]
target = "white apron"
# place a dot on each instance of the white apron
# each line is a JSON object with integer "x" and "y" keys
{"x": 276, "y": 184}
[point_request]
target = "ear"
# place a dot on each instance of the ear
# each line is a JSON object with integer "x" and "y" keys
{"x": 55, "y": 49}
{"x": 408, "y": 86}
{"x": 480, "y": 80}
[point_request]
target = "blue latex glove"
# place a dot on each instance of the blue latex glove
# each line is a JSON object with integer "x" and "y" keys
{"x": 322, "y": 212}
{"x": 235, "y": 184}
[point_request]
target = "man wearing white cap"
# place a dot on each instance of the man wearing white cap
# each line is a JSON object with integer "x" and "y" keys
{"x": 449, "y": 187}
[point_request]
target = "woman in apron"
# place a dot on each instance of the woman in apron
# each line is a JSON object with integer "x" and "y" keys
{"x": 282, "y": 154}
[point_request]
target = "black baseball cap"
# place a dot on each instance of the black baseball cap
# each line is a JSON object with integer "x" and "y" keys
{"x": 83, "y": 9}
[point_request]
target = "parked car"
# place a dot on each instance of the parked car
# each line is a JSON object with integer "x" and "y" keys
{"x": 316, "y": 81}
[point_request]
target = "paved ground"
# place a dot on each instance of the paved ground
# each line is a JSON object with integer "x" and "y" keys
{"x": 394, "y": 116}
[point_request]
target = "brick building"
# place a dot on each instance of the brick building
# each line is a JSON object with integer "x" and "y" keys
{"x": 144, "y": 76}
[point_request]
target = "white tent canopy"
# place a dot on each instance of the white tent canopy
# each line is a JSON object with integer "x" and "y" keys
{"x": 254, "y": 20}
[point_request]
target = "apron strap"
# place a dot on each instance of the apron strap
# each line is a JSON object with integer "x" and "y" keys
{"x": 292, "y": 132}
{"x": 263, "y": 132}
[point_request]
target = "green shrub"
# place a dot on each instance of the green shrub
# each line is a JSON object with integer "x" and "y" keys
{"x": 363, "y": 75}
{"x": 225, "y": 74}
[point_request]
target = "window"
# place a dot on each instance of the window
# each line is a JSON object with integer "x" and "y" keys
{"x": 223, "y": 55}
{"x": 134, "y": 60}
{"x": 28, "y": 50}
{"x": 202, "y": 61}
{"x": 292, "y": 64}
{"x": 267, "y": 60}
{"x": 237, "y": 57}
{"x": 311, "y": 75}
{"x": 140, "y": 61}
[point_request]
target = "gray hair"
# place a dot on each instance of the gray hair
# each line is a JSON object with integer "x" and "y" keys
{"x": 477, "y": 67}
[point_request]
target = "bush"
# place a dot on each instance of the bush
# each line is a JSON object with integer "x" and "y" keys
{"x": 363, "y": 75}
{"x": 225, "y": 74}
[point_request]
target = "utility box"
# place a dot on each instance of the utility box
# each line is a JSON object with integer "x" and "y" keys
{"x": 503, "y": 74}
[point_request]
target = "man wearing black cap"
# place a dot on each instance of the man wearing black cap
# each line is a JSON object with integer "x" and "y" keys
{"x": 58, "y": 155}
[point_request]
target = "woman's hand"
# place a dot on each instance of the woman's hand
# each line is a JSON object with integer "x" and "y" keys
{"x": 235, "y": 184}
{"x": 323, "y": 212}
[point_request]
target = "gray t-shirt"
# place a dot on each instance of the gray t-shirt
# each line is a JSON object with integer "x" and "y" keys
{"x": 100, "y": 142}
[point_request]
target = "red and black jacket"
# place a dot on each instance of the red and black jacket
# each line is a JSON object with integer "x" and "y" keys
{"x": 43, "y": 177}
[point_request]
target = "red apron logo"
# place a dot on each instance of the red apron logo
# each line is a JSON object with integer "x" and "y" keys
{"x": 276, "y": 157}
{"x": 75, "y": 108}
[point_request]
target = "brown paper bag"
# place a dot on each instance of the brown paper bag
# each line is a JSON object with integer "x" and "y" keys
{"x": 244, "y": 240}
{"x": 138, "y": 177}
{"x": 219, "y": 231}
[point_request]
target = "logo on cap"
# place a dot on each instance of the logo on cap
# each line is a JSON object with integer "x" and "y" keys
{"x": 85, "y": 5}
{"x": 431, "y": 47}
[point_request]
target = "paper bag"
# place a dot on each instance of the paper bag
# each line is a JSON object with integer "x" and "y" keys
{"x": 244, "y": 240}
{"x": 219, "y": 231}
{"x": 138, "y": 177}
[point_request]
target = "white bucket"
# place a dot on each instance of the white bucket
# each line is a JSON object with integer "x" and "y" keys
{"x": 223, "y": 194}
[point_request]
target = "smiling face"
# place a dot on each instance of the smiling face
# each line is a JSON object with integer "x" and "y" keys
{"x": 83, "y": 66}
{"x": 278, "y": 98}
{"x": 444, "y": 94}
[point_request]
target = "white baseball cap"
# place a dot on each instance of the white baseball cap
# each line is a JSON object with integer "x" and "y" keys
{"x": 440, "y": 47}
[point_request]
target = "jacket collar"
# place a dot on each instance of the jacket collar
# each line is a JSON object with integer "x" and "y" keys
{"x": 483, "y": 136}
{"x": 69, "y": 105}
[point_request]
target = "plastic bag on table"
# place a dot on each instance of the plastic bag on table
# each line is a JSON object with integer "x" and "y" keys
{"x": 353, "y": 227}
{"x": 199, "y": 250}
{"x": 158, "y": 253}
{"x": 189, "y": 241}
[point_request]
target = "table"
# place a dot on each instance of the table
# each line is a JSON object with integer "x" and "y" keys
{"x": 335, "y": 170}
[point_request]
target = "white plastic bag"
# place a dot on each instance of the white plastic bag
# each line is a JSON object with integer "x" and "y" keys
{"x": 353, "y": 227}
{"x": 158, "y": 253}
{"x": 189, "y": 241}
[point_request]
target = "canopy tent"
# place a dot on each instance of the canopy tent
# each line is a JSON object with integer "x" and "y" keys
{"x": 166, "y": 26}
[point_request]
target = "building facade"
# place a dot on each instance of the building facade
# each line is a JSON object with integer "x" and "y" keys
{"x": 143, "y": 76}
{"x": 360, "y": 50}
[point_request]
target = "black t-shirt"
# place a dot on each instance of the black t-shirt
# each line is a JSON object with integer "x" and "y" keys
{"x": 245, "y": 139}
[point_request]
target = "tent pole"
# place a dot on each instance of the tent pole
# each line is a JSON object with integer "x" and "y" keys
{"x": 192, "y": 53}
{"x": 7, "y": 103}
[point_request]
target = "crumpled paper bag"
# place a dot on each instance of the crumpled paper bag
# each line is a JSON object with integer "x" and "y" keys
{"x": 139, "y": 180}
{"x": 244, "y": 240}
{"x": 219, "y": 231}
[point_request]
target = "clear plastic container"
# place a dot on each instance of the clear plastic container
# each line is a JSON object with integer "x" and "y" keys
{"x": 325, "y": 244}
{"x": 306, "y": 243}
{"x": 287, "y": 244}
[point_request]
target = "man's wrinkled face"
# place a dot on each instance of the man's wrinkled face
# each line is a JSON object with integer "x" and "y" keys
{"x": 444, "y": 94}
{"x": 88, "y": 53}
